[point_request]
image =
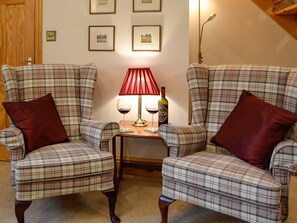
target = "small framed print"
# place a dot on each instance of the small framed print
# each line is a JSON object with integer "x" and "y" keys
{"x": 101, "y": 38}
{"x": 147, "y": 5}
{"x": 102, "y": 6}
{"x": 146, "y": 38}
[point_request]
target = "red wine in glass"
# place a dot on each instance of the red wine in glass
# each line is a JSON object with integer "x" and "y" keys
{"x": 152, "y": 107}
{"x": 124, "y": 106}
{"x": 152, "y": 110}
{"x": 124, "y": 110}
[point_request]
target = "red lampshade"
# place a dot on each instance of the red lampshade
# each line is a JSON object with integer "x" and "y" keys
{"x": 139, "y": 81}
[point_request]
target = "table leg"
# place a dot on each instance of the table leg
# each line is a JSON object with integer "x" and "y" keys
{"x": 121, "y": 158}
{"x": 115, "y": 178}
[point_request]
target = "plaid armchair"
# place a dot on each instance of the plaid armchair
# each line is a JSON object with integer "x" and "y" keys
{"x": 84, "y": 163}
{"x": 202, "y": 173}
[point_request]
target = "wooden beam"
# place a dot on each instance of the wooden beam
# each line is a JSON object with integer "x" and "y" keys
{"x": 288, "y": 23}
{"x": 290, "y": 10}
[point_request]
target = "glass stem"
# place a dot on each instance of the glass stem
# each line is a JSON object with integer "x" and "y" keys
{"x": 152, "y": 121}
{"x": 124, "y": 122}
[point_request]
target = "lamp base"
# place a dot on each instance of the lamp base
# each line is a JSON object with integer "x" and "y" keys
{"x": 139, "y": 123}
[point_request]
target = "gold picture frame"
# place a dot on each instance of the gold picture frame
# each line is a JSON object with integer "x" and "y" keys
{"x": 146, "y": 38}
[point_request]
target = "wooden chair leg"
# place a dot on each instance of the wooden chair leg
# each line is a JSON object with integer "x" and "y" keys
{"x": 164, "y": 203}
{"x": 112, "y": 199}
{"x": 20, "y": 208}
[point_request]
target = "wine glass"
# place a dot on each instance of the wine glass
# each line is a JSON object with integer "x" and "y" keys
{"x": 152, "y": 107}
{"x": 124, "y": 106}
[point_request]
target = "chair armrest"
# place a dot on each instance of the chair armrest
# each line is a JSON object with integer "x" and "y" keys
{"x": 12, "y": 138}
{"x": 98, "y": 133}
{"x": 284, "y": 155}
{"x": 183, "y": 140}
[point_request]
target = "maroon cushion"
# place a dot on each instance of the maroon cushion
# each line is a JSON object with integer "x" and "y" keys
{"x": 253, "y": 129}
{"x": 39, "y": 121}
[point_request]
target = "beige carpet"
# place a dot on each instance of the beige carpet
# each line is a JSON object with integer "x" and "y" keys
{"x": 137, "y": 203}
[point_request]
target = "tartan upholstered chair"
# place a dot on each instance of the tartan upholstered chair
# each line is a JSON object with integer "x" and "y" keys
{"x": 203, "y": 173}
{"x": 80, "y": 163}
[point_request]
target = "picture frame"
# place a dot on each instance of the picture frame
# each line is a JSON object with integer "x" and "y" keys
{"x": 102, "y": 6}
{"x": 146, "y": 38}
{"x": 147, "y": 5}
{"x": 101, "y": 38}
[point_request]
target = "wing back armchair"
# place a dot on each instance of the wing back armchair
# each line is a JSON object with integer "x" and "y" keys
{"x": 79, "y": 164}
{"x": 206, "y": 174}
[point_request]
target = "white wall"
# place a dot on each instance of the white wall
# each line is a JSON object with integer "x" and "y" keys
{"x": 243, "y": 33}
{"x": 71, "y": 20}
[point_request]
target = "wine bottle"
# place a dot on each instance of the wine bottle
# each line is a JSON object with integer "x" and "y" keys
{"x": 163, "y": 108}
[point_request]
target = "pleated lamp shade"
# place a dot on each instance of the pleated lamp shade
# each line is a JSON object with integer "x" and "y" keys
{"x": 139, "y": 81}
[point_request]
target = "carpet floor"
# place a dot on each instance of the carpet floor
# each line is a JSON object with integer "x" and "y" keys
{"x": 137, "y": 203}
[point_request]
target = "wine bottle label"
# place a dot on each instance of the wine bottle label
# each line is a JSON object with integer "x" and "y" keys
{"x": 163, "y": 113}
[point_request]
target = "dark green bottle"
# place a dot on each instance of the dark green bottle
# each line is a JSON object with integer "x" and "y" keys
{"x": 163, "y": 108}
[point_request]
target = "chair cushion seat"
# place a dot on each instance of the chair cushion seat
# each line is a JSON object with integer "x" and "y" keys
{"x": 225, "y": 175}
{"x": 62, "y": 161}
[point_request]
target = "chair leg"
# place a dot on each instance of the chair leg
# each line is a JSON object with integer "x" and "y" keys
{"x": 164, "y": 203}
{"x": 112, "y": 199}
{"x": 20, "y": 208}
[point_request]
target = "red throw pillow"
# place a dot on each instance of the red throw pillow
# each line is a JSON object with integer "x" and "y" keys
{"x": 39, "y": 121}
{"x": 253, "y": 129}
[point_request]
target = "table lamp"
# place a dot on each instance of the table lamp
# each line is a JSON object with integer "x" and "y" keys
{"x": 139, "y": 81}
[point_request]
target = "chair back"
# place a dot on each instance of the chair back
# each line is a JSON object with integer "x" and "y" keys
{"x": 72, "y": 87}
{"x": 215, "y": 91}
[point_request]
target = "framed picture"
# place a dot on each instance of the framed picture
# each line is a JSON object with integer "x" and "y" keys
{"x": 101, "y": 38}
{"x": 102, "y": 6}
{"x": 147, "y": 5}
{"x": 146, "y": 38}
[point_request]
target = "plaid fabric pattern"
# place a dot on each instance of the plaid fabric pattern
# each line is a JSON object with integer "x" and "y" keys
{"x": 225, "y": 175}
{"x": 97, "y": 133}
{"x": 221, "y": 182}
{"x": 226, "y": 83}
{"x": 281, "y": 175}
{"x": 12, "y": 138}
{"x": 80, "y": 165}
{"x": 241, "y": 209}
{"x": 290, "y": 100}
{"x": 72, "y": 87}
{"x": 183, "y": 140}
{"x": 36, "y": 190}
{"x": 63, "y": 160}
{"x": 197, "y": 78}
{"x": 284, "y": 156}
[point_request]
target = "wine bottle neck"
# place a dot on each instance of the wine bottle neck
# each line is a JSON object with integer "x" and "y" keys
{"x": 163, "y": 91}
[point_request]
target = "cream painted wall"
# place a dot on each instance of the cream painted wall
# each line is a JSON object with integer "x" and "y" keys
{"x": 71, "y": 20}
{"x": 242, "y": 33}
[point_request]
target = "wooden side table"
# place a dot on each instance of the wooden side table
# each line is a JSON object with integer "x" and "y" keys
{"x": 138, "y": 132}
